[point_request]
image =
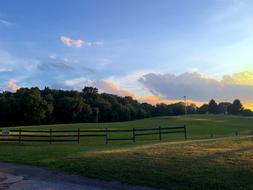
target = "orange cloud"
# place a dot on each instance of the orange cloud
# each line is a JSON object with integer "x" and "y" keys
{"x": 154, "y": 100}
{"x": 12, "y": 85}
{"x": 158, "y": 100}
{"x": 111, "y": 87}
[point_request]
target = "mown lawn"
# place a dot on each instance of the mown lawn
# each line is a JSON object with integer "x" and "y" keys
{"x": 224, "y": 163}
{"x": 198, "y": 126}
{"x": 201, "y": 164}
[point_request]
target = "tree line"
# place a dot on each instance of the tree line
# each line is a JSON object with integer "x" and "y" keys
{"x": 235, "y": 108}
{"x": 30, "y": 106}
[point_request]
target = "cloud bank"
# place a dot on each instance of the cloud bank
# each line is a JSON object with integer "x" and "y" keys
{"x": 199, "y": 87}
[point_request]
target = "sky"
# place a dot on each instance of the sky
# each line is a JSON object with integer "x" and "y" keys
{"x": 154, "y": 50}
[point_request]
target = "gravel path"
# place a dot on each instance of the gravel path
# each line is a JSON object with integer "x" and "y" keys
{"x": 20, "y": 177}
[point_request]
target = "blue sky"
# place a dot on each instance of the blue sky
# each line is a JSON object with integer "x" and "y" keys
{"x": 115, "y": 45}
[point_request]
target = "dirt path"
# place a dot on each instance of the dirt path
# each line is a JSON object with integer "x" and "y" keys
{"x": 20, "y": 177}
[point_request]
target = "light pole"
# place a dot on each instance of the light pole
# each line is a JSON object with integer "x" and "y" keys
{"x": 185, "y": 105}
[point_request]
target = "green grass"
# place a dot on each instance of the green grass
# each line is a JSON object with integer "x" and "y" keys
{"x": 198, "y": 126}
{"x": 225, "y": 163}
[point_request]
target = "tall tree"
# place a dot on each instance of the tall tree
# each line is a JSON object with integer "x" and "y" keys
{"x": 237, "y": 107}
{"x": 213, "y": 107}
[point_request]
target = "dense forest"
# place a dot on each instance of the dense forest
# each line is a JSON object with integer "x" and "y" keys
{"x": 29, "y": 106}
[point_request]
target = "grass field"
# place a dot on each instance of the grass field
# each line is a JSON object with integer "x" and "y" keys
{"x": 198, "y": 126}
{"x": 224, "y": 163}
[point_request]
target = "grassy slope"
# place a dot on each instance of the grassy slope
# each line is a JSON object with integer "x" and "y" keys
{"x": 204, "y": 164}
{"x": 198, "y": 125}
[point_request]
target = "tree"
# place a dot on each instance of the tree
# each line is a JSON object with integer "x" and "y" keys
{"x": 237, "y": 107}
{"x": 104, "y": 107}
{"x": 230, "y": 109}
{"x": 89, "y": 91}
{"x": 223, "y": 107}
{"x": 148, "y": 108}
{"x": 3, "y": 109}
{"x": 178, "y": 108}
{"x": 247, "y": 112}
{"x": 191, "y": 109}
{"x": 213, "y": 107}
{"x": 163, "y": 110}
{"x": 30, "y": 106}
{"x": 32, "y": 109}
{"x": 72, "y": 109}
{"x": 203, "y": 109}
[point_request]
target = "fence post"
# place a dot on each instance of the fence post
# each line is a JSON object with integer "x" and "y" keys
{"x": 78, "y": 135}
{"x": 211, "y": 135}
{"x": 19, "y": 136}
{"x": 50, "y": 132}
{"x": 106, "y": 136}
{"x": 185, "y": 134}
{"x": 133, "y": 134}
{"x": 236, "y": 133}
{"x": 160, "y": 134}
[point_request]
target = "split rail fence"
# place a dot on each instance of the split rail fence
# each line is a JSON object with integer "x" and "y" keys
{"x": 50, "y": 136}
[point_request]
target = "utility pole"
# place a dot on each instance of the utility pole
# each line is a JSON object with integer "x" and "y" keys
{"x": 185, "y": 105}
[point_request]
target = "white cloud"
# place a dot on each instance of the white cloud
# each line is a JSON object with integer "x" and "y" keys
{"x": 6, "y": 22}
{"x": 5, "y": 70}
{"x": 52, "y": 56}
{"x": 8, "y": 62}
{"x": 76, "y": 83}
{"x": 78, "y": 43}
{"x": 130, "y": 82}
{"x": 70, "y": 42}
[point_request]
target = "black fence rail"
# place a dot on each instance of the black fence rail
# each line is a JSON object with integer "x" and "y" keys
{"x": 159, "y": 131}
{"x": 50, "y": 136}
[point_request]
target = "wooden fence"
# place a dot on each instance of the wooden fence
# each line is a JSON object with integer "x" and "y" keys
{"x": 50, "y": 136}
